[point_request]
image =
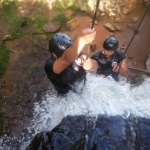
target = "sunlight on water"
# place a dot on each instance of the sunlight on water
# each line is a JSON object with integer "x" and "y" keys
{"x": 99, "y": 96}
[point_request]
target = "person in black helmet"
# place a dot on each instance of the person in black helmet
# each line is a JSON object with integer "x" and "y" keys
{"x": 63, "y": 67}
{"x": 109, "y": 61}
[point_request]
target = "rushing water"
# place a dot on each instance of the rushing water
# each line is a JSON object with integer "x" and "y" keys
{"x": 99, "y": 96}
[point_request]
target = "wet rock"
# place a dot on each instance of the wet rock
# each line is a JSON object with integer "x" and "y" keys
{"x": 72, "y": 24}
{"x": 6, "y": 37}
{"x": 51, "y": 27}
{"x": 148, "y": 62}
{"x": 102, "y": 14}
{"x": 130, "y": 25}
{"x": 109, "y": 27}
{"x": 118, "y": 20}
{"x": 135, "y": 19}
{"x": 118, "y": 28}
{"x": 81, "y": 132}
{"x": 125, "y": 11}
{"x": 111, "y": 14}
{"x": 145, "y": 1}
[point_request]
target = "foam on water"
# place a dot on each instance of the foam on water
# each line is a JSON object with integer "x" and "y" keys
{"x": 99, "y": 96}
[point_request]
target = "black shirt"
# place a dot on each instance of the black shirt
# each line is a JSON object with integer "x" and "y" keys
{"x": 64, "y": 81}
{"x": 105, "y": 64}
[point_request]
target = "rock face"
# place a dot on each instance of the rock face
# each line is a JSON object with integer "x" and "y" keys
{"x": 82, "y": 132}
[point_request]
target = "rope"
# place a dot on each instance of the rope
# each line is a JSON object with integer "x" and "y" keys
{"x": 88, "y": 50}
{"x": 137, "y": 29}
{"x": 134, "y": 34}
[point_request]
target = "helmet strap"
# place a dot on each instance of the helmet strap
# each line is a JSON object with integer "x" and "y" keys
{"x": 54, "y": 56}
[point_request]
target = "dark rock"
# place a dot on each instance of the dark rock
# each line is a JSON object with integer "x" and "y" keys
{"x": 81, "y": 132}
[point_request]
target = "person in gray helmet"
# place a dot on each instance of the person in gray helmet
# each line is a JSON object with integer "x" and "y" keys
{"x": 64, "y": 68}
{"x": 109, "y": 61}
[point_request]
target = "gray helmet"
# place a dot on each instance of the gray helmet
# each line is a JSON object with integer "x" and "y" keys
{"x": 59, "y": 43}
{"x": 111, "y": 43}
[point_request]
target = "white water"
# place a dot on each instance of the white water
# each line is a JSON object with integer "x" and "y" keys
{"x": 100, "y": 96}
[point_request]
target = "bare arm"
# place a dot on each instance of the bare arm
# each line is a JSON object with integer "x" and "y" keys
{"x": 87, "y": 36}
{"x": 124, "y": 69}
{"x": 89, "y": 64}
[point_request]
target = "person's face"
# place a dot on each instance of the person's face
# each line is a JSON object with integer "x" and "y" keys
{"x": 108, "y": 53}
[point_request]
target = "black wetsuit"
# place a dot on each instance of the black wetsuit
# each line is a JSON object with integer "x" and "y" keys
{"x": 64, "y": 81}
{"x": 105, "y": 64}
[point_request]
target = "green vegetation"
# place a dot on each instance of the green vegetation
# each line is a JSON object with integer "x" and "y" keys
{"x": 87, "y": 7}
{"x": 50, "y": 35}
{"x": 17, "y": 23}
{"x": 62, "y": 5}
{"x": 9, "y": 8}
{"x": 55, "y": 8}
{"x": 4, "y": 57}
{"x": 60, "y": 18}
{"x": 43, "y": 1}
{"x": 59, "y": 6}
{"x": 138, "y": 80}
{"x": 16, "y": 26}
{"x": 74, "y": 8}
{"x": 40, "y": 10}
{"x": 39, "y": 22}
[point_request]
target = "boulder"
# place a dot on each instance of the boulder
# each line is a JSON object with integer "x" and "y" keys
{"x": 95, "y": 133}
{"x": 72, "y": 24}
{"x": 109, "y": 27}
{"x": 51, "y": 27}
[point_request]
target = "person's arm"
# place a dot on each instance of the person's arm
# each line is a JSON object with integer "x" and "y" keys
{"x": 124, "y": 69}
{"x": 89, "y": 64}
{"x": 87, "y": 36}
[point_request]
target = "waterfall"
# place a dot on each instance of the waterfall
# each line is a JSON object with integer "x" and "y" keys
{"x": 99, "y": 96}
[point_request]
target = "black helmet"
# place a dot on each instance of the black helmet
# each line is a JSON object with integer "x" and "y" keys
{"x": 111, "y": 43}
{"x": 59, "y": 43}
